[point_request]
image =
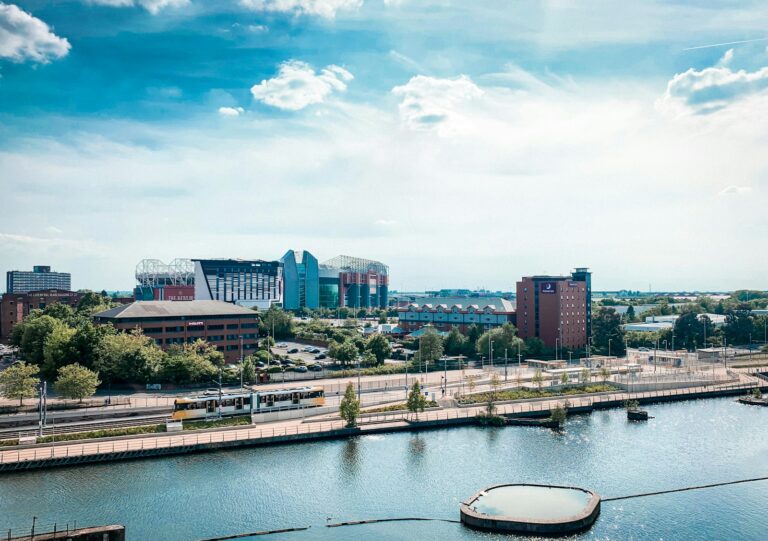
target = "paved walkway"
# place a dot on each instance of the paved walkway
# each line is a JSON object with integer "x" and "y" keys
{"x": 297, "y": 427}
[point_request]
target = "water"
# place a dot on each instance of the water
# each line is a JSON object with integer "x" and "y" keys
{"x": 532, "y": 502}
{"x": 428, "y": 474}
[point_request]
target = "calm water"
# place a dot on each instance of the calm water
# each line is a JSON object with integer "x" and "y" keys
{"x": 532, "y": 502}
{"x": 428, "y": 474}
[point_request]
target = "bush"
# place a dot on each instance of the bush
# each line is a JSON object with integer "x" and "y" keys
{"x": 108, "y": 433}
{"x": 523, "y": 394}
{"x": 217, "y": 423}
{"x": 402, "y": 406}
{"x": 491, "y": 420}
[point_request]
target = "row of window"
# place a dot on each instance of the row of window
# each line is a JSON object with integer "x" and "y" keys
{"x": 158, "y": 330}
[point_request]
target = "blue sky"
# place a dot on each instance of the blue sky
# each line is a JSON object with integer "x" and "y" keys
{"x": 463, "y": 143}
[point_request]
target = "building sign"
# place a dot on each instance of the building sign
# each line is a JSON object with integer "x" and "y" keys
{"x": 548, "y": 287}
{"x": 573, "y": 284}
{"x": 195, "y": 324}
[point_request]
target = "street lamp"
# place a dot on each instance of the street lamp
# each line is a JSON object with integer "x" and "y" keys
{"x": 505, "y": 365}
{"x": 490, "y": 351}
{"x": 609, "y": 346}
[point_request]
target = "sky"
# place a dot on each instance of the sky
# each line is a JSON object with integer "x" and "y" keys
{"x": 464, "y": 144}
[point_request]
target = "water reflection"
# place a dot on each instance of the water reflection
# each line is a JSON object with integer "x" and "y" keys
{"x": 417, "y": 448}
{"x": 350, "y": 458}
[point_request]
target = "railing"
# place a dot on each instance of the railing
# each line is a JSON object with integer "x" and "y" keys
{"x": 171, "y": 441}
{"x": 54, "y": 530}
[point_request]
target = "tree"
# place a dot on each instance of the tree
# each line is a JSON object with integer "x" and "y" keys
{"x": 344, "y": 352}
{"x": 455, "y": 342}
{"x": 187, "y": 364}
{"x": 416, "y": 400}
{"x": 538, "y": 378}
{"x": 379, "y": 346}
{"x": 605, "y": 374}
{"x": 19, "y": 381}
{"x": 92, "y": 303}
{"x": 559, "y": 414}
{"x": 76, "y": 381}
{"x": 276, "y": 320}
{"x": 586, "y": 375}
{"x": 606, "y": 328}
{"x": 472, "y": 383}
{"x": 503, "y": 338}
{"x": 631, "y": 313}
{"x": 739, "y": 324}
{"x": 128, "y": 357}
{"x": 58, "y": 350}
{"x": 430, "y": 346}
{"x": 349, "y": 408}
{"x": 534, "y": 346}
{"x": 248, "y": 369}
{"x": 495, "y": 385}
{"x": 34, "y": 332}
{"x": 564, "y": 379}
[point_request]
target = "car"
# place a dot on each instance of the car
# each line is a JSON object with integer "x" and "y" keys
{"x": 301, "y": 369}
{"x": 308, "y": 349}
{"x": 315, "y": 350}
{"x": 281, "y": 345}
{"x": 260, "y": 364}
{"x": 211, "y": 392}
{"x": 315, "y": 367}
{"x": 293, "y": 350}
{"x": 320, "y": 356}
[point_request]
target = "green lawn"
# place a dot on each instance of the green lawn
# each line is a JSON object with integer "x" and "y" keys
{"x": 522, "y": 394}
{"x": 397, "y": 407}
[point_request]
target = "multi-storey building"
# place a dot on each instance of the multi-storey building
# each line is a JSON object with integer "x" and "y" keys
{"x": 361, "y": 283}
{"x": 160, "y": 282}
{"x": 14, "y": 307}
{"x": 445, "y": 313}
{"x": 41, "y": 277}
{"x": 255, "y": 283}
{"x": 301, "y": 280}
{"x": 556, "y": 309}
{"x": 222, "y": 324}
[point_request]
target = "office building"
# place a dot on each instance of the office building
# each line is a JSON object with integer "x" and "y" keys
{"x": 222, "y": 324}
{"x": 556, "y": 309}
{"x": 157, "y": 281}
{"x": 41, "y": 277}
{"x": 301, "y": 280}
{"x": 361, "y": 283}
{"x": 15, "y": 307}
{"x": 249, "y": 283}
{"x": 445, "y": 313}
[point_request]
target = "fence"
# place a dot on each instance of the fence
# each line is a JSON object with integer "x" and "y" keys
{"x": 257, "y": 435}
{"x": 58, "y": 530}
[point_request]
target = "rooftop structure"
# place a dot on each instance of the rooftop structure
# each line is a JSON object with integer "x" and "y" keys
{"x": 445, "y": 313}
{"x": 251, "y": 283}
{"x": 153, "y": 273}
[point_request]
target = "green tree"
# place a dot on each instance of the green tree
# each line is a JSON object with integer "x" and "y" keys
{"x": 534, "y": 346}
{"x": 349, "y": 408}
{"x": 585, "y": 376}
{"x": 631, "y": 313}
{"x": 559, "y": 414}
{"x": 92, "y": 303}
{"x": 128, "y": 357}
{"x": 34, "y": 331}
{"x": 605, "y": 374}
{"x": 430, "y": 346}
{"x": 739, "y": 324}
{"x": 606, "y": 326}
{"x": 538, "y": 378}
{"x": 186, "y": 364}
{"x": 19, "y": 381}
{"x": 59, "y": 349}
{"x": 344, "y": 352}
{"x": 277, "y": 320}
{"x": 248, "y": 370}
{"x": 76, "y": 381}
{"x": 564, "y": 379}
{"x": 416, "y": 400}
{"x": 379, "y": 346}
{"x": 503, "y": 338}
{"x": 454, "y": 343}
{"x": 690, "y": 330}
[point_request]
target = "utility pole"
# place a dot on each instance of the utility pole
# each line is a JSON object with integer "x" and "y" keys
{"x": 43, "y": 403}
{"x": 220, "y": 393}
{"x": 490, "y": 351}
{"x": 358, "y": 378}
{"x": 505, "y": 365}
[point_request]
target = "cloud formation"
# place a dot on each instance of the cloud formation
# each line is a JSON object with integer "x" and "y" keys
{"x": 24, "y": 37}
{"x": 428, "y": 101}
{"x": 321, "y": 8}
{"x": 153, "y": 6}
{"x": 231, "y": 111}
{"x": 297, "y": 85}
{"x": 735, "y": 190}
{"x": 712, "y": 89}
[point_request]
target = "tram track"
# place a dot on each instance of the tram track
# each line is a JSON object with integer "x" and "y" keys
{"x": 84, "y": 426}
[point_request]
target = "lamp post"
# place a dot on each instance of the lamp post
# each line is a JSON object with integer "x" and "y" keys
{"x": 505, "y": 365}
{"x": 445, "y": 375}
{"x": 358, "y": 378}
{"x": 490, "y": 351}
{"x": 609, "y": 346}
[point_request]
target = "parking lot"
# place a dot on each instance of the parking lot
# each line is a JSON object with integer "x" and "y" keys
{"x": 282, "y": 349}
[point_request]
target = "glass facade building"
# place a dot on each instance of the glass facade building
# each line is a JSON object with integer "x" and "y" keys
{"x": 255, "y": 283}
{"x": 301, "y": 280}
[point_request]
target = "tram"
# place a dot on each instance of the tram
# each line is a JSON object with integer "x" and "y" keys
{"x": 202, "y": 407}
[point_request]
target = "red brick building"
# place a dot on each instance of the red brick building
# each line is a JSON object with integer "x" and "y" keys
{"x": 556, "y": 309}
{"x": 177, "y": 322}
{"x": 14, "y": 307}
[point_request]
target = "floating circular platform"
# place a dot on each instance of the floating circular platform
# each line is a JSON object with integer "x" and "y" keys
{"x": 531, "y": 509}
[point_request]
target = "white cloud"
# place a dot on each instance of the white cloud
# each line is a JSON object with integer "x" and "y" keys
{"x": 712, "y": 89}
{"x": 321, "y": 8}
{"x": 297, "y": 85}
{"x": 726, "y": 58}
{"x": 428, "y": 102}
{"x": 735, "y": 190}
{"x": 231, "y": 111}
{"x": 24, "y": 37}
{"x": 153, "y": 6}
{"x": 53, "y": 230}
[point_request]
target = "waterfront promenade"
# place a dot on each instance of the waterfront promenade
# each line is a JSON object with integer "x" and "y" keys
{"x": 296, "y": 430}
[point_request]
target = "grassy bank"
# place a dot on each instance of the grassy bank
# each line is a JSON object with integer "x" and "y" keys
{"x": 107, "y": 433}
{"x": 526, "y": 394}
{"x": 397, "y": 407}
{"x": 8, "y": 443}
{"x": 218, "y": 423}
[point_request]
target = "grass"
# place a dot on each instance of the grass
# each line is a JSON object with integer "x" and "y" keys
{"x": 8, "y": 443}
{"x": 397, "y": 407}
{"x": 522, "y": 394}
{"x": 107, "y": 433}
{"x": 218, "y": 423}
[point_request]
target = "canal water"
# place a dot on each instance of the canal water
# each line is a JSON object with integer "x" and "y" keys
{"x": 428, "y": 474}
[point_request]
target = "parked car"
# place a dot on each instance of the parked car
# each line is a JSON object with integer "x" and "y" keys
{"x": 293, "y": 350}
{"x": 308, "y": 349}
{"x": 315, "y": 350}
{"x": 260, "y": 364}
{"x": 320, "y": 356}
{"x": 301, "y": 369}
{"x": 211, "y": 392}
{"x": 281, "y": 345}
{"x": 316, "y": 367}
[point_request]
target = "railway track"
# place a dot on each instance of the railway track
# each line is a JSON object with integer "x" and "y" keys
{"x": 85, "y": 426}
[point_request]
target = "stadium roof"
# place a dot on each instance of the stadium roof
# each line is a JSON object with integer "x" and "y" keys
{"x": 141, "y": 309}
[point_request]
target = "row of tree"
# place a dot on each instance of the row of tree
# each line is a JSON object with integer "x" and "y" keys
{"x": 21, "y": 381}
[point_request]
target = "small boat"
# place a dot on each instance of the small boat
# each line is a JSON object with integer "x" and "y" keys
{"x": 638, "y": 415}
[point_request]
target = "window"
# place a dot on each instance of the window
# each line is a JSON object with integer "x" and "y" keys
{"x": 232, "y": 326}
{"x": 248, "y": 326}
{"x": 215, "y": 327}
